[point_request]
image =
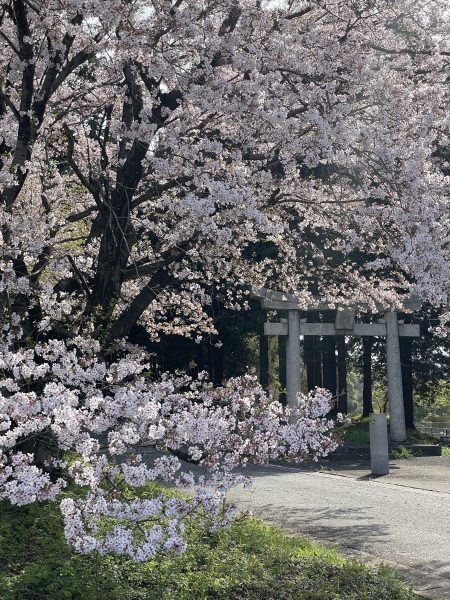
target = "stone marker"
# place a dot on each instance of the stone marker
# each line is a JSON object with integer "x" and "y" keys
{"x": 345, "y": 321}
{"x": 379, "y": 446}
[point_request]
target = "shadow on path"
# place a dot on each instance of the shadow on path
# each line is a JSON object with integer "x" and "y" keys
{"x": 329, "y": 525}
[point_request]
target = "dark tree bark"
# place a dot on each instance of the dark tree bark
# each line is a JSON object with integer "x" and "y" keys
{"x": 263, "y": 357}
{"x": 342, "y": 402}
{"x": 282, "y": 367}
{"x": 218, "y": 356}
{"x": 215, "y": 362}
{"x": 116, "y": 230}
{"x": 317, "y": 362}
{"x": 367, "y": 376}
{"x": 406, "y": 347}
{"x": 313, "y": 355}
{"x": 210, "y": 362}
{"x": 330, "y": 367}
{"x": 117, "y": 238}
{"x": 200, "y": 359}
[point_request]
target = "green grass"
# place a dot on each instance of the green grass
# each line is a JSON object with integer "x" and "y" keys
{"x": 250, "y": 561}
{"x": 358, "y": 433}
{"x": 401, "y": 453}
{"x": 445, "y": 450}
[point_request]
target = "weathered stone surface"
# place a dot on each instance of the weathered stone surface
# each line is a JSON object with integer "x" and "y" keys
{"x": 293, "y": 379}
{"x": 394, "y": 378}
{"x": 379, "y": 446}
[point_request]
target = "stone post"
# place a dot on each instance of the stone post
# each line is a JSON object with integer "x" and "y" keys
{"x": 379, "y": 447}
{"x": 293, "y": 358}
{"x": 394, "y": 379}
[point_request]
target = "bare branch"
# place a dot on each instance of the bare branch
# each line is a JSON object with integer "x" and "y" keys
{"x": 298, "y": 14}
{"x": 10, "y": 42}
{"x": 79, "y": 275}
{"x": 91, "y": 185}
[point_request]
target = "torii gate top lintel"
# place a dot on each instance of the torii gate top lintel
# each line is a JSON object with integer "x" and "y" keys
{"x": 276, "y": 300}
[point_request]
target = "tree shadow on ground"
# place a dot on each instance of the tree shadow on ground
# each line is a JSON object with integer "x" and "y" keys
{"x": 349, "y": 527}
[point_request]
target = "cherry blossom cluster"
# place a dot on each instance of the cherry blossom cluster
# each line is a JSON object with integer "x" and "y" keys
{"x": 105, "y": 417}
{"x": 241, "y": 128}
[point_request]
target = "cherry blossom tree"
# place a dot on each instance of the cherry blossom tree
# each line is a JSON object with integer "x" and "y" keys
{"x": 148, "y": 149}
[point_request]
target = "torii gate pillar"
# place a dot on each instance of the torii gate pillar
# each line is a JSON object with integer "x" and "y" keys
{"x": 293, "y": 374}
{"x": 394, "y": 379}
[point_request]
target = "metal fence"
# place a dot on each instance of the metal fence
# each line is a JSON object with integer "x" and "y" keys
{"x": 435, "y": 428}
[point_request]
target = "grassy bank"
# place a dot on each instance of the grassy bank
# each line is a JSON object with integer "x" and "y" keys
{"x": 358, "y": 433}
{"x": 250, "y": 561}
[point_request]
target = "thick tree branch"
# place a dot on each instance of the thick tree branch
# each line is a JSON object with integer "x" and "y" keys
{"x": 159, "y": 279}
{"x": 74, "y": 217}
{"x": 157, "y": 189}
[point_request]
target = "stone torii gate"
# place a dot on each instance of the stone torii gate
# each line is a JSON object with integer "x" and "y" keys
{"x": 293, "y": 327}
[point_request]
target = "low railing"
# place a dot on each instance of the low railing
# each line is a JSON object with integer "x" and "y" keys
{"x": 437, "y": 429}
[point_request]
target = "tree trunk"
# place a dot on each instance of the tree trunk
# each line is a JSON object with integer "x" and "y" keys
{"x": 329, "y": 367}
{"x": 282, "y": 367}
{"x": 217, "y": 357}
{"x": 367, "y": 376}
{"x": 200, "y": 357}
{"x": 263, "y": 358}
{"x": 117, "y": 230}
{"x": 342, "y": 375}
{"x": 406, "y": 345}
{"x": 313, "y": 355}
{"x": 308, "y": 349}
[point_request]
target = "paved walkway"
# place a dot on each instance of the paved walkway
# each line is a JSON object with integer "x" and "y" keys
{"x": 402, "y": 519}
{"x": 426, "y": 473}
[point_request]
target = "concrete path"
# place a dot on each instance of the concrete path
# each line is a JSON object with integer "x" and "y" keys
{"x": 402, "y": 519}
{"x": 426, "y": 473}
